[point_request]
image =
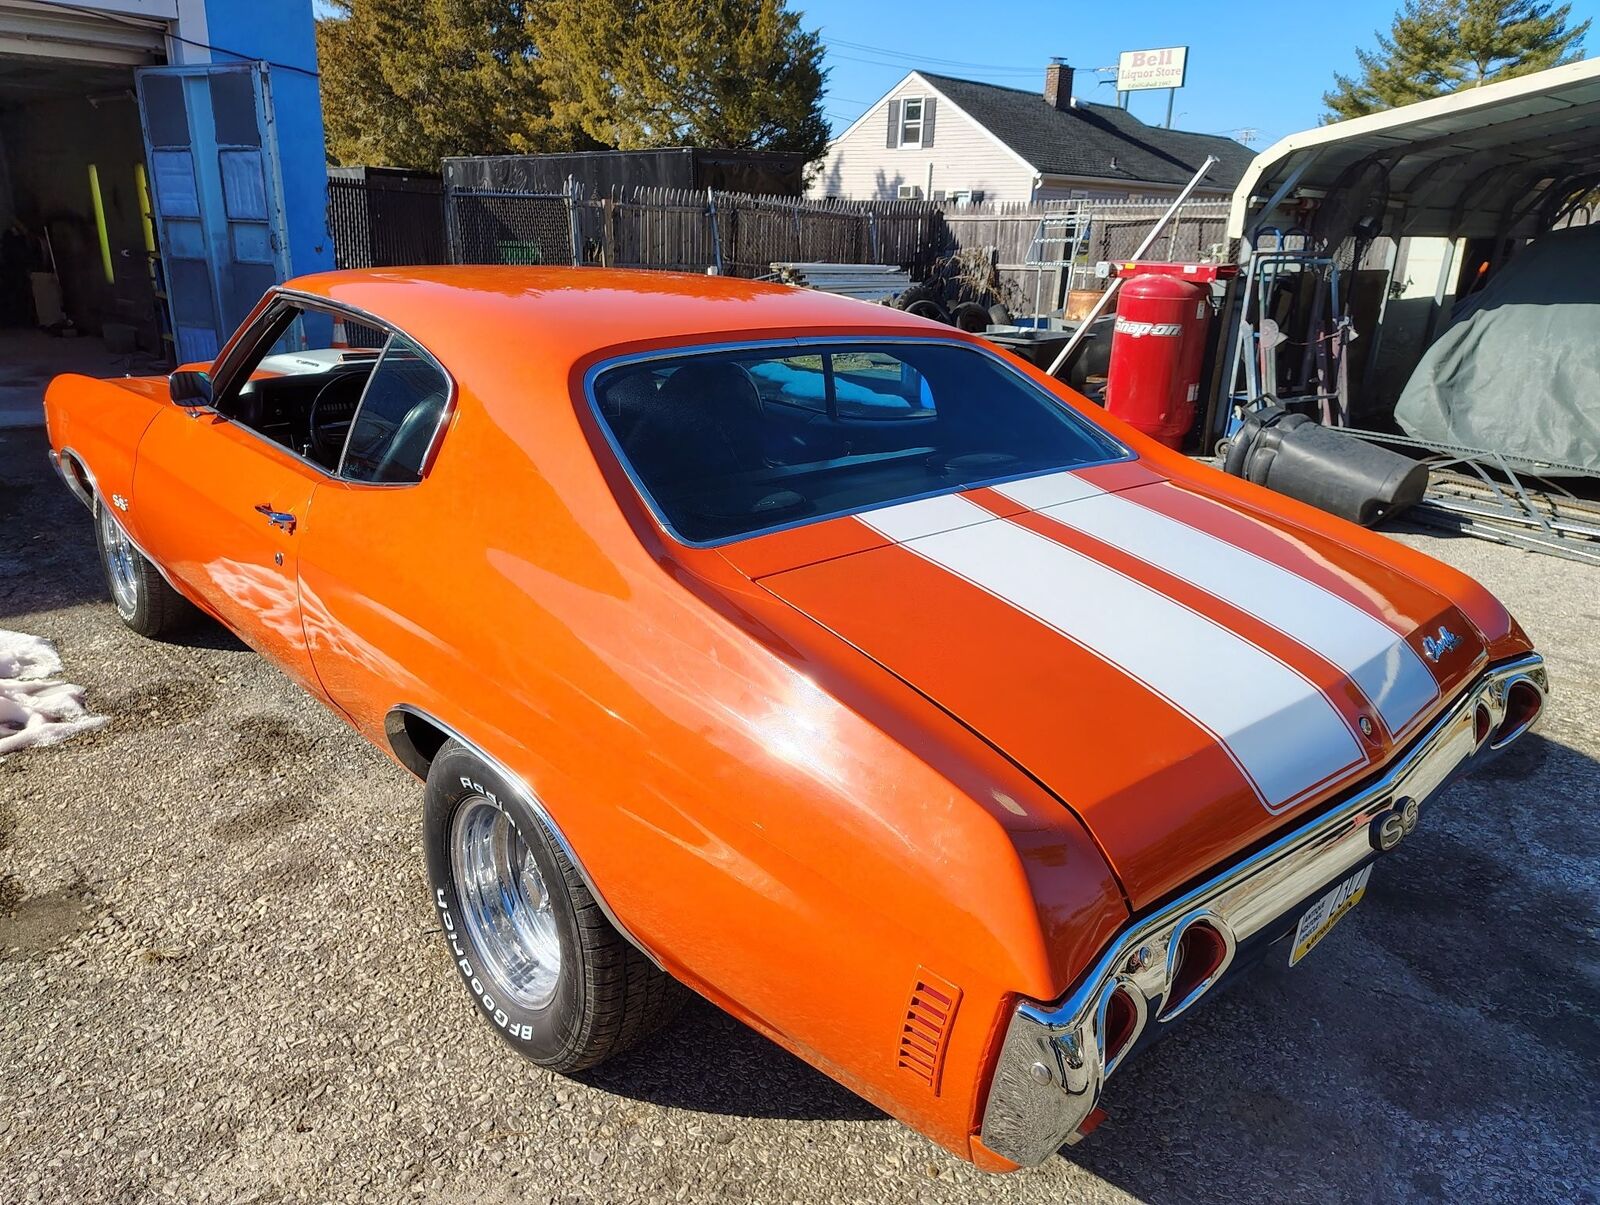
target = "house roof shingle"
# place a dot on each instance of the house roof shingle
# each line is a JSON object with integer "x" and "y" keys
{"x": 1099, "y": 141}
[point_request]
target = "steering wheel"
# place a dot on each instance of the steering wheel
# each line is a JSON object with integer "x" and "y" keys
{"x": 328, "y": 421}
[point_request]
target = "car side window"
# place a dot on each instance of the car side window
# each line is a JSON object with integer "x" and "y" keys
{"x": 399, "y": 413}
{"x": 303, "y": 399}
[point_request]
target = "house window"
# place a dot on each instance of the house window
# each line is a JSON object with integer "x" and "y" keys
{"x": 910, "y": 192}
{"x": 911, "y": 121}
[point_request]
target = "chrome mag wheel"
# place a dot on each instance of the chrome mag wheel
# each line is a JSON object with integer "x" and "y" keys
{"x": 122, "y": 566}
{"x": 505, "y": 904}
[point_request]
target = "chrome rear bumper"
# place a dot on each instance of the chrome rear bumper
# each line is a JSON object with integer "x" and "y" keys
{"x": 1054, "y": 1058}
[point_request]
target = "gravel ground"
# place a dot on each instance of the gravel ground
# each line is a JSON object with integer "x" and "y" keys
{"x": 219, "y": 978}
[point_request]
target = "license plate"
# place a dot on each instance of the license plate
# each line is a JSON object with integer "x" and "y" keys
{"x": 1327, "y": 912}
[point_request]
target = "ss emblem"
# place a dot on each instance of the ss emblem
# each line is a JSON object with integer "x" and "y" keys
{"x": 1389, "y": 829}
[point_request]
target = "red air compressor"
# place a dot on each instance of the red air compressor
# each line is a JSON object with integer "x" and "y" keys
{"x": 1158, "y": 346}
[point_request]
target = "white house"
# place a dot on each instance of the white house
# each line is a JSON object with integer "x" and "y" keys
{"x": 952, "y": 139}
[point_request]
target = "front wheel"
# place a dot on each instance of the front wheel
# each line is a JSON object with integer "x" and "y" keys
{"x": 144, "y": 600}
{"x": 535, "y": 950}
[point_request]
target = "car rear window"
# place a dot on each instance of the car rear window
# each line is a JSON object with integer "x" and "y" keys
{"x": 729, "y": 443}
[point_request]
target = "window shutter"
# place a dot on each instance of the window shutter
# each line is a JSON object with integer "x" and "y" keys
{"x": 894, "y": 124}
{"x": 928, "y": 107}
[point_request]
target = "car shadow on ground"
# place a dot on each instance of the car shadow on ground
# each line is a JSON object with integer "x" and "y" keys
{"x": 711, "y": 1063}
{"x": 1445, "y": 1037}
{"x": 1446, "y": 1047}
{"x": 48, "y": 557}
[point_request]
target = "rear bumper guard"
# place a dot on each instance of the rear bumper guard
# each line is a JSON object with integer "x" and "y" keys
{"x": 1055, "y": 1058}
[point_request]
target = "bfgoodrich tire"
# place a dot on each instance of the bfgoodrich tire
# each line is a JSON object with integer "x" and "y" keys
{"x": 539, "y": 958}
{"x": 142, "y": 597}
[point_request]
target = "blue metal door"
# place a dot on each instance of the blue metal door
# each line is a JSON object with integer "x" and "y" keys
{"x": 217, "y": 195}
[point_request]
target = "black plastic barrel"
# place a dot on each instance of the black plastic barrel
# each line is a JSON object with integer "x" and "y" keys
{"x": 1340, "y": 474}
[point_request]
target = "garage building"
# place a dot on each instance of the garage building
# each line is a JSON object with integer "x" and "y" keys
{"x": 161, "y": 163}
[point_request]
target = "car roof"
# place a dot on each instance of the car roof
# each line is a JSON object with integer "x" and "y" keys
{"x": 572, "y": 313}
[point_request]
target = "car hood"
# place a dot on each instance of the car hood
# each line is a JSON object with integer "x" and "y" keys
{"x": 1184, "y": 674}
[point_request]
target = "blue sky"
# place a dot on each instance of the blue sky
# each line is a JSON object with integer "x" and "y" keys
{"x": 1251, "y": 65}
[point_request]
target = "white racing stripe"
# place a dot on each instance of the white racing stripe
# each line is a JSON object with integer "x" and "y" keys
{"x": 909, "y": 520}
{"x": 1383, "y": 665}
{"x": 1282, "y": 732}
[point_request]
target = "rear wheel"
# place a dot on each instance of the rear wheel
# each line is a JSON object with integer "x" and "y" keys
{"x": 144, "y": 600}
{"x": 538, "y": 956}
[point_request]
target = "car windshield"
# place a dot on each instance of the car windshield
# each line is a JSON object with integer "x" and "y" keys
{"x": 732, "y": 442}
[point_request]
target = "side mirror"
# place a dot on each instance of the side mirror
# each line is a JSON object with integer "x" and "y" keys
{"x": 189, "y": 388}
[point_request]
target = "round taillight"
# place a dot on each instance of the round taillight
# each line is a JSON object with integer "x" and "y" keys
{"x": 1523, "y": 702}
{"x": 1122, "y": 1023}
{"x": 1202, "y": 953}
{"x": 1482, "y": 721}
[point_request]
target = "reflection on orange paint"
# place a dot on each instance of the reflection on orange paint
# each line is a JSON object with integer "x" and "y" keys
{"x": 792, "y": 828}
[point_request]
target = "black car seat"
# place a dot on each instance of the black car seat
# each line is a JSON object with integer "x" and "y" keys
{"x": 706, "y": 420}
{"x": 626, "y": 400}
{"x": 402, "y": 459}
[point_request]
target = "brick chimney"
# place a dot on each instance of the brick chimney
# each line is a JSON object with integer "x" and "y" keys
{"x": 1058, "y": 84}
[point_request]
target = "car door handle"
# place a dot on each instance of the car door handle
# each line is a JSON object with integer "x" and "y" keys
{"x": 277, "y": 518}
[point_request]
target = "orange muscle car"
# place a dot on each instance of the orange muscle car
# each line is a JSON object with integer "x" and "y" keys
{"x": 826, "y": 660}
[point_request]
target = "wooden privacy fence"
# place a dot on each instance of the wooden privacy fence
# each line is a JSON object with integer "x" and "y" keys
{"x": 737, "y": 234}
{"x": 1035, "y": 260}
{"x": 742, "y": 235}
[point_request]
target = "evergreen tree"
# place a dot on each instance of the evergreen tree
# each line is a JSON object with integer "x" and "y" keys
{"x": 1436, "y": 47}
{"x": 653, "y": 73}
{"x": 406, "y": 82}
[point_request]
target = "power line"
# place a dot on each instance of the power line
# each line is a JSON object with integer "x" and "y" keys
{"x": 925, "y": 58}
{"x": 137, "y": 22}
{"x": 910, "y": 66}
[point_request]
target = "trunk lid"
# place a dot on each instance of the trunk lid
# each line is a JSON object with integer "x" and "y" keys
{"x": 1183, "y": 674}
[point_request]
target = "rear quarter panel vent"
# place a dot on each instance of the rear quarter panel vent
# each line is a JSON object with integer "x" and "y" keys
{"x": 925, "y": 1033}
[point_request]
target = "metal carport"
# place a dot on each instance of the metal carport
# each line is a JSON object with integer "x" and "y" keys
{"x": 1471, "y": 178}
{"x": 1497, "y": 161}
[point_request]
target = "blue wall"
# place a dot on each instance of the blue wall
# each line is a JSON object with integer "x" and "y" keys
{"x": 283, "y": 32}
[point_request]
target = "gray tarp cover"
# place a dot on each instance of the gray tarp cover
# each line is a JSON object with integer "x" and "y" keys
{"x": 1518, "y": 369}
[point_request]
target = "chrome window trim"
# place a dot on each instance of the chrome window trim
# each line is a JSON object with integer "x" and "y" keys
{"x": 1051, "y": 1066}
{"x": 677, "y": 351}
{"x": 327, "y": 306}
{"x": 535, "y": 804}
{"x": 366, "y": 386}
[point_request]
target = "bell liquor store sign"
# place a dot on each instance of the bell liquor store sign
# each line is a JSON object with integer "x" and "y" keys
{"x": 1140, "y": 69}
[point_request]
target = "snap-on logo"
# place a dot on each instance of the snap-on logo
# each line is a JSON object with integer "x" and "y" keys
{"x": 1161, "y": 330}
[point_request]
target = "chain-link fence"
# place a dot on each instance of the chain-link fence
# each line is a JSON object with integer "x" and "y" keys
{"x": 1198, "y": 231}
{"x": 384, "y": 221}
{"x": 509, "y": 228}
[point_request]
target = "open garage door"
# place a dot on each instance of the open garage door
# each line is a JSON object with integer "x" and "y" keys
{"x": 216, "y": 194}
{"x": 33, "y": 30}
